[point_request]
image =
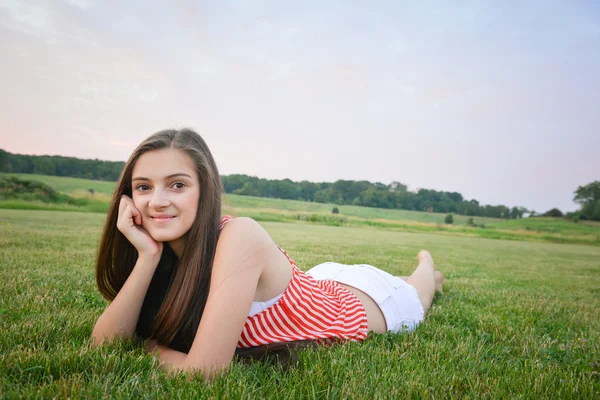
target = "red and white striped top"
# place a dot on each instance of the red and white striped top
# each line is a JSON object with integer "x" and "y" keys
{"x": 308, "y": 310}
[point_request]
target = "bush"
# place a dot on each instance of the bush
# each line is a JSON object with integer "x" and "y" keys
{"x": 322, "y": 219}
{"x": 555, "y": 212}
{"x": 449, "y": 219}
{"x": 471, "y": 222}
{"x": 335, "y": 210}
{"x": 12, "y": 187}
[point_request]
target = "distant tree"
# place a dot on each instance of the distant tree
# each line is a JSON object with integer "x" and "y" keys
{"x": 397, "y": 187}
{"x": 321, "y": 196}
{"x": 335, "y": 210}
{"x": 308, "y": 190}
{"x": 587, "y": 193}
{"x": 555, "y": 212}
{"x": 514, "y": 213}
{"x": 449, "y": 219}
{"x": 589, "y": 198}
{"x": 596, "y": 212}
{"x": 247, "y": 190}
{"x": 455, "y": 197}
{"x": 4, "y": 164}
{"x": 471, "y": 222}
{"x": 522, "y": 211}
{"x": 235, "y": 181}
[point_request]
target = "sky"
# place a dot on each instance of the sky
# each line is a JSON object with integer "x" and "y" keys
{"x": 497, "y": 100}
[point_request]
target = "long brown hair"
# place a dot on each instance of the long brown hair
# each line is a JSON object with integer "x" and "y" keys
{"x": 184, "y": 303}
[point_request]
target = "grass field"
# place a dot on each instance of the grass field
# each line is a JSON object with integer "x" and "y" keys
{"x": 554, "y": 230}
{"x": 518, "y": 319}
{"x": 79, "y": 188}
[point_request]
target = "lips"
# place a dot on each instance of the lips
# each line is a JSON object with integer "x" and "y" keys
{"x": 163, "y": 218}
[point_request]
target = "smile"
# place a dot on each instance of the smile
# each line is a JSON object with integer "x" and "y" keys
{"x": 162, "y": 219}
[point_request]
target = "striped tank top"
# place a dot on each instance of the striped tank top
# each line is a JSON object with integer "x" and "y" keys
{"x": 307, "y": 310}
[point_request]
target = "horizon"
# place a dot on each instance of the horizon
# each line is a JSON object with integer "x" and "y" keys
{"x": 409, "y": 189}
{"x": 497, "y": 102}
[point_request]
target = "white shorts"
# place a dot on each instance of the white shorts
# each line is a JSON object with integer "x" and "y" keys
{"x": 398, "y": 300}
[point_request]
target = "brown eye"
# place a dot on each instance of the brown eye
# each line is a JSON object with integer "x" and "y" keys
{"x": 179, "y": 185}
{"x": 142, "y": 188}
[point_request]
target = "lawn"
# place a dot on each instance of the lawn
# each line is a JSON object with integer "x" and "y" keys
{"x": 518, "y": 319}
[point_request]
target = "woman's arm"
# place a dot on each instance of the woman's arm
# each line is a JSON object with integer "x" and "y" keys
{"x": 169, "y": 358}
{"x": 243, "y": 252}
{"x": 121, "y": 316}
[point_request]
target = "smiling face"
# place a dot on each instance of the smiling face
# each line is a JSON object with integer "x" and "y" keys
{"x": 166, "y": 191}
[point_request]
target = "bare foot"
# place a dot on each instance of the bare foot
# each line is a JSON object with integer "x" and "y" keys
{"x": 424, "y": 256}
{"x": 439, "y": 281}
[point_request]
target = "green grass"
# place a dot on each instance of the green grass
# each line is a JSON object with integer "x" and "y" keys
{"x": 550, "y": 225}
{"x": 518, "y": 319}
{"x": 83, "y": 205}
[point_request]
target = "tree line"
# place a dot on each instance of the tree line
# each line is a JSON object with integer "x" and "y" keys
{"x": 367, "y": 194}
{"x": 61, "y": 166}
{"x": 342, "y": 192}
{"x": 360, "y": 193}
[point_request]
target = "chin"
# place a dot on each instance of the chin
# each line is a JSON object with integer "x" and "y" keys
{"x": 165, "y": 236}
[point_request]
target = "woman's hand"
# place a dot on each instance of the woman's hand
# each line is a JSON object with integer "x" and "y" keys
{"x": 129, "y": 223}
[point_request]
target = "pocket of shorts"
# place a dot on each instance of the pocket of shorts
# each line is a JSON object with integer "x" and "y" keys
{"x": 367, "y": 280}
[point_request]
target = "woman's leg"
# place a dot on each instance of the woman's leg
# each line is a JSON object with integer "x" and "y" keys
{"x": 426, "y": 279}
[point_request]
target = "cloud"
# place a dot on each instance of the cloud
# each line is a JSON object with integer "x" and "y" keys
{"x": 82, "y": 4}
{"x": 30, "y": 19}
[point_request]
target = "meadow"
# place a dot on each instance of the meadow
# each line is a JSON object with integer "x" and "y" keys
{"x": 94, "y": 196}
{"x": 519, "y": 319}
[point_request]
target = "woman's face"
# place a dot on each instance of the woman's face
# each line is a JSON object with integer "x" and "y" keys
{"x": 165, "y": 190}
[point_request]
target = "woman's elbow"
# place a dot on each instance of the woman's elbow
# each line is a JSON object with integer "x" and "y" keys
{"x": 102, "y": 334}
{"x": 98, "y": 336}
{"x": 97, "y": 339}
{"x": 207, "y": 373}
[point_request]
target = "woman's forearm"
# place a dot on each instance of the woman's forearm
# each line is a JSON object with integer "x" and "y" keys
{"x": 121, "y": 316}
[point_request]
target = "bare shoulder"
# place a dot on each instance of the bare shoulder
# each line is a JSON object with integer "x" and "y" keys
{"x": 245, "y": 229}
{"x": 243, "y": 240}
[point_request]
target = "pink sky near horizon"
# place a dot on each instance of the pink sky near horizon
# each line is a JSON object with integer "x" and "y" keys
{"x": 497, "y": 102}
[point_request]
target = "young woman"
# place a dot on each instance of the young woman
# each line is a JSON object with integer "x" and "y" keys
{"x": 201, "y": 287}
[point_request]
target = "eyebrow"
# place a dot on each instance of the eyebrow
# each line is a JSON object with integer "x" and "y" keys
{"x": 139, "y": 178}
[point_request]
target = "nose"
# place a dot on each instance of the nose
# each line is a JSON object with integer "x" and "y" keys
{"x": 160, "y": 199}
